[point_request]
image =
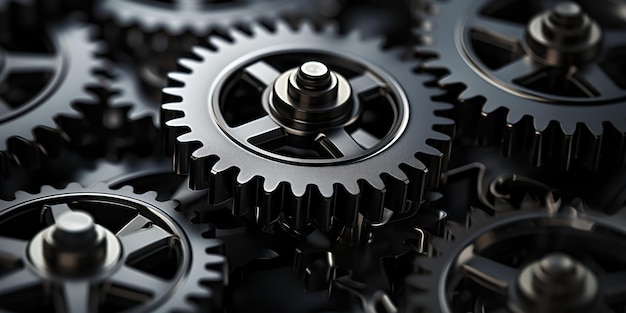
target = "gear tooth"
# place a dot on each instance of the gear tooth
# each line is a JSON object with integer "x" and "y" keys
{"x": 332, "y": 29}
{"x": 190, "y": 64}
{"x": 456, "y": 229}
{"x": 596, "y": 128}
{"x": 201, "y": 53}
{"x": 307, "y": 27}
{"x": 270, "y": 185}
{"x": 216, "y": 41}
{"x": 326, "y": 190}
{"x": 282, "y": 27}
{"x": 21, "y": 194}
{"x": 173, "y": 91}
{"x": 179, "y": 122}
{"x": 176, "y": 76}
{"x": 490, "y": 107}
{"x": 186, "y": 138}
{"x": 371, "y": 200}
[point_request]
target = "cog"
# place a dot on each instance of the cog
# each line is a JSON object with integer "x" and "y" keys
{"x": 537, "y": 85}
{"x": 153, "y": 260}
{"x": 491, "y": 265}
{"x": 365, "y": 276}
{"x": 285, "y": 161}
{"x": 39, "y": 84}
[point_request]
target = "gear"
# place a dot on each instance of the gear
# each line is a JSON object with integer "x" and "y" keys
{"x": 60, "y": 246}
{"x": 542, "y": 79}
{"x": 514, "y": 262}
{"x": 39, "y": 82}
{"x": 355, "y": 138}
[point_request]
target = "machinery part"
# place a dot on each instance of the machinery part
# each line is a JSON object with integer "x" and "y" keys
{"x": 540, "y": 260}
{"x": 352, "y": 137}
{"x": 366, "y": 276}
{"x": 96, "y": 249}
{"x": 39, "y": 82}
{"x": 542, "y": 79}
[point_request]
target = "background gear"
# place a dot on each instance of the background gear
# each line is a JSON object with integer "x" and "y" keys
{"x": 295, "y": 183}
{"x": 161, "y": 267}
{"x": 41, "y": 80}
{"x": 560, "y": 113}
{"x": 477, "y": 268}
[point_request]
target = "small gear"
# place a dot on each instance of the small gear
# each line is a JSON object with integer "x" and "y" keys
{"x": 97, "y": 249}
{"x": 536, "y": 260}
{"x": 541, "y": 78}
{"x": 40, "y": 80}
{"x": 299, "y": 126}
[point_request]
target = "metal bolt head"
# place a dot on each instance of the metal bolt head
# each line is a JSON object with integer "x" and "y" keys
{"x": 558, "y": 266}
{"x": 567, "y": 14}
{"x": 313, "y": 75}
{"x": 74, "y": 230}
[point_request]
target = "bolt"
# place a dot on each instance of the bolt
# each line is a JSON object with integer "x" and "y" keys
{"x": 567, "y": 15}
{"x": 313, "y": 75}
{"x": 74, "y": 230}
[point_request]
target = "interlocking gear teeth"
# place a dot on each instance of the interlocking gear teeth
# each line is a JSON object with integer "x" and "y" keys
{"x": 562, "y": 131}
{"x": 221, "y": 165}
{"x": 30, "y": 135}
{"x": 202, "y": 278}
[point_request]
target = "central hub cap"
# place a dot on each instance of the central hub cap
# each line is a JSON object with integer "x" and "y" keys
{"x": 564, "y": 36}
{"x": 558, "y": 283}
{"x": 74, "y": 246}
{"x": 311, "y": 97}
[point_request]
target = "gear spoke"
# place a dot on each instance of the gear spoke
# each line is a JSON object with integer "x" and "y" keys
{"x": 12, "y": 249}
{"x": 18, "y": 280}
{"x": 144, "y": 239}
{"x": 30, "y": 62}
{"x": 77, "y": 297}
{"x": 365, "y": 83}
{"x": 614, "y": 286}
{"x": 140, "y": 282}
{"x": 51, "y": 213}
{"x": 488, "y": 273}
{"x": 521, "y": 67}
{"x": 510, "y": 31}
{"x": 339, "y": 143}
{"x": 259, "y": 128}
{"x": 593, "y": 80}
{"x": 136, "y": 224}
{"x": 260, "y": 75}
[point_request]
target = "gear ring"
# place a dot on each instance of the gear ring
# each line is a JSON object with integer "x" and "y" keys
{"x": 142, "y": 227}
{"x": 36, "y": 83}
{"x": 484, "y": 267}
{"x": 244, "y": 170}
{"x": 501, "y": 60}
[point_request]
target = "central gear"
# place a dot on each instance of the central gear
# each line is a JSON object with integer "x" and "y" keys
{"x": 301, "y": 126}
{"x": 97, "y": 249}
{"x": 547, "y": 77}
{"x": 536, "y": 260}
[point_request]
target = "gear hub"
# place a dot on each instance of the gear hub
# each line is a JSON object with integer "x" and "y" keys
{"x": 564, "y": 36}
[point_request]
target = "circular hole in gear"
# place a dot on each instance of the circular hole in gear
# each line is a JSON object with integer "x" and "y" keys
{"x": 376, "y": 123}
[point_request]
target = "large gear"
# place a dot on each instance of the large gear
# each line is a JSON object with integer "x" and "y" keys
{"x": 154, "y": 260}
{"x": 283, "y": 161}
{"x": 492, "y": 265}
{"x": 39, "y": 84}
{"x": 546, "y": 78}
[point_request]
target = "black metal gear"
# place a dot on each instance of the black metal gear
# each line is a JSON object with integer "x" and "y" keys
{"x": 216, "y": 122}
{"x": 484, "y": 267}
{"x": 536, "y": 84}
{"x": 40, "y": 82}
{"x": 156, "y": 260}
